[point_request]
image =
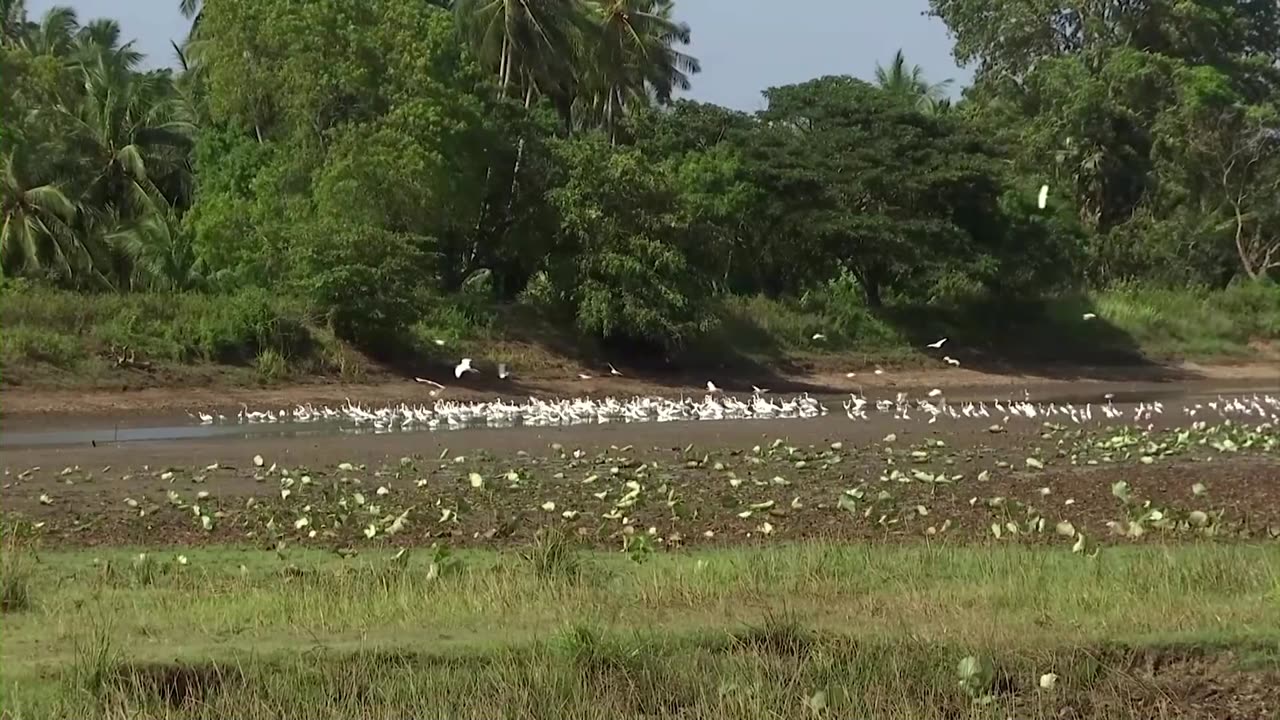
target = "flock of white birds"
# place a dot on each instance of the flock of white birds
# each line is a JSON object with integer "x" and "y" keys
{"x": 715, "y": 405}
{"x": 448, "y": 414}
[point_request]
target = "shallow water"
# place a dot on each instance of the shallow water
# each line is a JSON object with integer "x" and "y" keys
{"x": 99, "y": 430}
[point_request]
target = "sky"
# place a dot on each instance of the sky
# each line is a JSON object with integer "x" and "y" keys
{"x": 745, "y": 46}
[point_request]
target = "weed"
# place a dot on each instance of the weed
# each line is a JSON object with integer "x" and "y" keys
{"x": 16, "y": 571}
{"x": 552, "y": 556}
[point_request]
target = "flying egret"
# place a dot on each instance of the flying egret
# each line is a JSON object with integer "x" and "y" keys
{"x": 819, "y": 336}
{"x": 432, "y": 383}
{"x": 502, "y": 371}
{"x": 758, "y": 390}
{"x": 463, "y": 367}
{"x": 851, "y": 374}
{"x": 613, "y": 370}
{"x": 439, "y": 342}
{"x": 1043, "y": 200}
{"x": 711, "y": 387}
{"x": 879, "y": 371}
{"x": 938, "y": 345}
{"x": 584, "y": 376}
{"x": 1089, "y": 316}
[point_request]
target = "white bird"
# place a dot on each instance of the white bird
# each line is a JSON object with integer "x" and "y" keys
{"x": 938, "y": 345}
{"x": 1043, "y": 200}
{"x": 951, "y": 361}
{"x": 879, "y": 371}
{"x": 463, "y": 367}
{"x": 613, "y": 370}
{"x": 432, "y": 383}
{"x": 584, "y": 376}
{"x": 711, "y": 387}
{"x": 439, "y": 342}
{"x": 851, "y": 374}
{"x": 758, "y": 390}
{"x": 1089, "y": 316}
{"x": 819, "y": 336}
{"x": 935, "y": 392}
{"x": 502, "y": 371}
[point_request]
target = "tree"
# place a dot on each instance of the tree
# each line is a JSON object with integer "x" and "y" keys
{"x": 857, "y": 179}
{"x": 13, "y": 22}
{"x": 1009, "y": 38}
{"x": 36, "y": 234}
{"x": 908, "y": 82}
{"x": 528, "y": 44}
{"x": 620, "y": 259}
{"x": 126, "y": 137}
{"x": 1228, "y": 165}
{"x": 635, "y": 59}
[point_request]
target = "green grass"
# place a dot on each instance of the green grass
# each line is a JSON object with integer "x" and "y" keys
{"x": 63, "y": 339}
{"x": 1132, "y": 323}
{"x": 557, "y": 633}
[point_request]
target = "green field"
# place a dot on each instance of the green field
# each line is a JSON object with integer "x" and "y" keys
{"x": 868, "y": 631}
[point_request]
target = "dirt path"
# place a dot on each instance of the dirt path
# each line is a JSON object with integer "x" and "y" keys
{"x": 820, "y": 378}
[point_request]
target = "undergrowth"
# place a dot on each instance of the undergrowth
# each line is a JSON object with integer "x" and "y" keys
{"x": 52, "y": 337}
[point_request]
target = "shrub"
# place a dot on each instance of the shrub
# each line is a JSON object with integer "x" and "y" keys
{"x": 362, "y": 280}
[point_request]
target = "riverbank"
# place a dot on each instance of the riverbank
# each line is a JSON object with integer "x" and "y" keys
{"x": 67, "y": 352}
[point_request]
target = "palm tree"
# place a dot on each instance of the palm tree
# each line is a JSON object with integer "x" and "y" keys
{"x": 100, "y": 40}
{"x": 55, "y": 34}
{"x": 528, "y": 43}
{"x": 125, "y": 130}
{"x": 192, "y": 10}
{"x": 635, "y": 61}
{"x": 155, "y": 254}
{"x": 36, "y": 233}
{"x": 13, "y": 21}
{"x": 908, "y": 82}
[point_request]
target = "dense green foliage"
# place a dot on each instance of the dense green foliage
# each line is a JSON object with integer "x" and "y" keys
{"x": 379, "y": 160}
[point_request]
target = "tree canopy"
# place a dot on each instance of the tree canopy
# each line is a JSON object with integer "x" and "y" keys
{"x": 377, "y": 157}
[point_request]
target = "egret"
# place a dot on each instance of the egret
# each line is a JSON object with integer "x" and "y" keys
{"x": 711, "y": 387}
{"x": 503, "y": 374}
{"x": 938, "y": 345}
{"x": 951, "y": 361}
{"x": 432, "y": 383}
{"x": 819, "y": 336}
{"x": 463, "y": 367}
{"x": 1043, "y": 200}
{"x": 1089, "y": 316}
{"x": 613, "y": 370}
{"x": 584, "y": 376}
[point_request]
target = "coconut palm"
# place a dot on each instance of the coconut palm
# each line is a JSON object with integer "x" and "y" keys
{"x": 528, "y": 43}
{"x": 635, "y": 60}
{"x": 908, "y": 81}
{"x": 55, "y": 34}
{"x": 153, "y": 253}
{"x": 101, "y": 39}
{"x": 127, "y": 135}
{"x": 13, "y": 21}
{"x": 192, "y": 10}
{"x": 36, "y": 233}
